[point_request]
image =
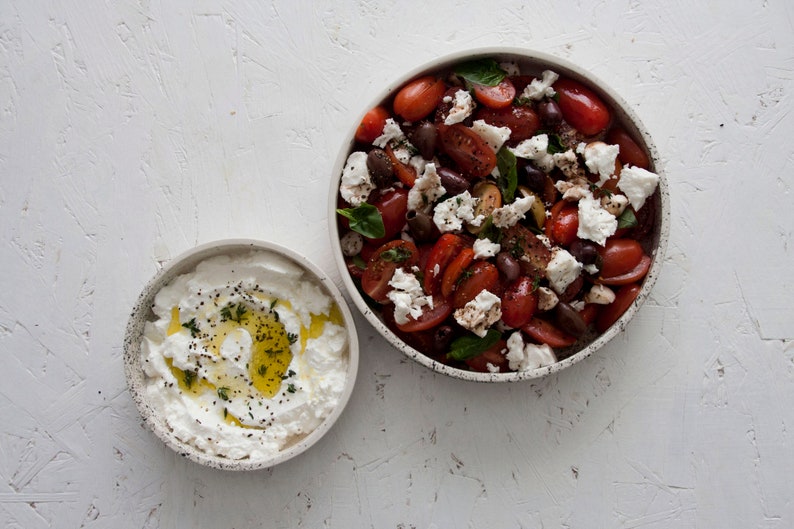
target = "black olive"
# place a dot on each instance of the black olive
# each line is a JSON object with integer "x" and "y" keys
{"x": 550, "y": 112}
{"x": 585, "y": 252}
{"x": 535, "y": 178}
{"x": 508, "y": 266}
{"x": 569, "y": 320}
{"x": 452, "y": 181}
{"x": 422, "y": 227}
{"x": 424, "y": 137}
{"x": 442, "y": 338}
{"x": 380, "y": 168}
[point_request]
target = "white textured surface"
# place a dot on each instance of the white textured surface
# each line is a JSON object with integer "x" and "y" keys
{"x": 131, "y": 131}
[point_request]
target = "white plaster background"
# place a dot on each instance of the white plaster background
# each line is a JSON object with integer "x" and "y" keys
{"x": 131, "y": 131}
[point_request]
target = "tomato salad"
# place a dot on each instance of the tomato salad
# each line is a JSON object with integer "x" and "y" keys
{"x": 495, "y": 217}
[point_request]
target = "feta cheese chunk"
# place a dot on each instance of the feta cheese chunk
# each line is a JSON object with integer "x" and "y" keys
{"x": 638, "y": 184}
{"x": 568, "y": 163}
{"x": 535, "y": 149}
{"x": 462, "y": 108}
{"x": 495, "y": 137}
{"x": 426, "y": 190}
{"x": 595, "y": 223}
{"x": 480, "y": 313}
{"x": 509, "y": 214}
{"x": 407, "y": 295}
{"x": 562, "y": 270}
{"x": 523, "y": 357}
{"x": 600, "y": 159}
{"x": 547, "y": 299}
{"x": 600, "y": 295}
{"x": 484, "y": 248}
{"x": 540, "y": 88}
{"x": 450, "y": 214}
{"x": 391, "y": 133}
{"x": 615, "y": 204}
{"x": 356, "y": 184}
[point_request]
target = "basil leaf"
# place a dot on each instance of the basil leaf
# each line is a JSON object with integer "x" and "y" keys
{"x": 481, "y": 71}
{"x": 555, "y": 144}
{"x": 489, "y": 231}
{"x": 508, "y": 174}
{"x": 627, "y": 219}
{"x": 365, "y": 219}
{"x": 470, "y": 345}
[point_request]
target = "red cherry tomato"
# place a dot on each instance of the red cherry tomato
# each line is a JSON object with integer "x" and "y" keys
{"x": 480, "y": 276}
{"x": 393, "y": 205}
{"x": 519, "y": 302}
{"x": 372, "y": 124}
{"x": 632, "y": 276}
{"x": 404, "y": 173}
{"x": 581, "y": 107}
{"x": 455, "y": 270}
{"x": 630, "y": 152}
{"x": 444, "y": 250}
{"x": 493, "y": 355}
{"x": 498, "y": 96}
{"x": 522, "y": 121}
{"x": 548, "y": 333}
{"x": 430, "y": 317}
{"x": 619, "y": 256}
{"x": 472, "y": 154}
{"x": 590, "y": 312}
{"x": 624, "y": 297}
{"x": 419, "y": 98}
{"x": 563, "y": 223}
{"x": 383, "y": 263}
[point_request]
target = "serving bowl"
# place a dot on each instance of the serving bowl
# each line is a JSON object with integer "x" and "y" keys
{"x": 534, "y": 63}
{"x": 142, "y": 321}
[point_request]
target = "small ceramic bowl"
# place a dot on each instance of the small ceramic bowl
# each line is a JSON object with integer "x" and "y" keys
{"x": 137, "y": 378}
{"x": 654, "y": 245}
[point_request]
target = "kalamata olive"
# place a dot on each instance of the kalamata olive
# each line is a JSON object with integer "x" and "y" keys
{"x": 422, "y": 227}
{"x": 508, "y": 266}
{"x": 452, "y": 181}
{"x": 569, "y": 320}
{"x": 442, "y": 338}
{"x": 585, "y": 252}
{"x": 535, "y": 178}
{"x": 380, "y": 167}
{"x": 549, "y": 111}
{"x": 424, "y": 138}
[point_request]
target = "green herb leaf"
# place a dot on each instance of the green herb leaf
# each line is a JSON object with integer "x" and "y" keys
{"x": 555, "y": 143}
{"x": 481, "y": 71}
{"x": 365, "y": 219}
{"x": 223, "y": 393}
{"x": 470, "y": 345}
{"x": 292, "y": 337}
{"x": 189, "y": 377}
{"x": 627, "y": 219}
{"x": 291, "y": 388}
{"x": 508, "y": 174}
{"x": 396, "y": 255}
{"x": 359, "y": 262}
{"x": 192, "y": 326}
{"x": 262, "y": 370}
{"x": 489, "y": 231}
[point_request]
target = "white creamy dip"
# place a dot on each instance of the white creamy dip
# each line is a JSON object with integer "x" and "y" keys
{"x": 247, "y": 355}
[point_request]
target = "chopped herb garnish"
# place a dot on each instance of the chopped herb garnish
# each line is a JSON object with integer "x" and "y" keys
{"x": 291, "y": 388}
{"x": 273, "y": 303}
{"x": 223, "y": 393}
{"x": 232, "y": 312}
{"x": 292, "y": 337}
{"x": 189, "y": 377}
{"x": 365, "y": 219}
{"x": 535, "y": 283}
{"x": 396, "y": 255}
{"x": 225, "y": 412}
{"x": 262, "y": 370}
{"x": 288, "y": 374}
{"x": 192, "y": 326}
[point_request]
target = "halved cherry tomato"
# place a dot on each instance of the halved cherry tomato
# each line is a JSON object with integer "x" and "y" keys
{"x": 519, "y": 302}
{"x": 480, "y": 276}
{"x": 393, "y": 205}
{"x": 624, "y": 297}
{"x": 493, "y": 355}
{"x": 590, "y": 312}
{"x": 533, "y": 256}
{"x": 455, "y": 270}
{"x": 419, "y": 98}
{"x": 563, "y": 223}
{"x": 372, "y": 124}
{"x": 431, "y": 317}
{"x": 498, "y": 96}
{"x": 522, "y": 121}
{"x": 619, "y": 256}
{"x": 405, "y": 173}
{"x": 548, "y": 333}
{"x": 581, "y": 107}
{"x": 383, "y": 263}
{"x": 472, "y": 154}
{"x": 630, "y": 152}
{"x": 444, "y": 250}
{"x": 632, "y": 276}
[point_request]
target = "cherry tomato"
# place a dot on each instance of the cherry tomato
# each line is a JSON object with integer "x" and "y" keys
{"x": 455, "y": 270}
{"x": 444, "y": 250}
{"x": 480, "y": 276}
{"x": 419, "y": 98}
{"x": 393, "y": 205}
{"x": 548, "y": 333}
{"x": 532, "y": 254}
{"x": 590, "y": 312}
{"x": 472, "y": 154}
{"x": 522, "y": 121}
{"x": 519, "y": 302}
{"x": 632, "y": 276}
{"x": 619, "y": 256}
{"x": 493, "y": 355}
{"x": 404, "y": 173}
{"x": 624, "y": 297}
{"x": 431, "y": 317}
{"x": 630, "y": 152}
{"x": 581, "y": 107}
{"x": 498, "y": 96}
{"x": 372, "y": 124}
{"x": 563, "y": 224}
{"x": 383, "y": 263}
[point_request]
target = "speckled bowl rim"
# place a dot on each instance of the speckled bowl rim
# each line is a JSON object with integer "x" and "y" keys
{"x": 141, "y": 313}
{"x": 625, "y": 112}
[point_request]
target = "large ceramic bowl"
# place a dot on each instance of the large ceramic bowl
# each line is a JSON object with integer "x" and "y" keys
{"x": 149, "y": 404}
{"x": 654, "y": 244}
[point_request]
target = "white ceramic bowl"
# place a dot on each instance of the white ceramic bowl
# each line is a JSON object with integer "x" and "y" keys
{"x": 532, "y": 61}
{"x": 142, "y": 312}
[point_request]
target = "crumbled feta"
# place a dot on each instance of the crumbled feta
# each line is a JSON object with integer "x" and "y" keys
{"x": 480, "y": 313}
{"x": 426, "y": 190}
{"x": 523, "y": 357}
{"x": 600, "y": 295}
{"x": 356, "y": 184}
{"x": 495, "y": 137}
{"x": 568, "y": 163}
{"x": 536, "y": 149}
{"x": 463, "y": 106}
{"x": 403, "y": 151}
{"x": 492, "y": 368}
{"x": 407, "y": 295}
{"x": 450, "y": 214}
{"x": 391, "y": 133}
{"x": 638, "y": 184}
{"x": 540, "y": 88}
{"x": 574, "y": 190}
{"x": 562, "y": 270}
{"x": 510, "y": 68}
{"x": 595, "y": 223}
{"x": 418, "y": 163}
{"x": 547, "y": 299}
{"x": 352, "y": 243}
{"x": 600, "y": 159}
{"x": 615, "y": 204}
{"x": 484, "y": 248}
{"x": 509, "y": 214}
